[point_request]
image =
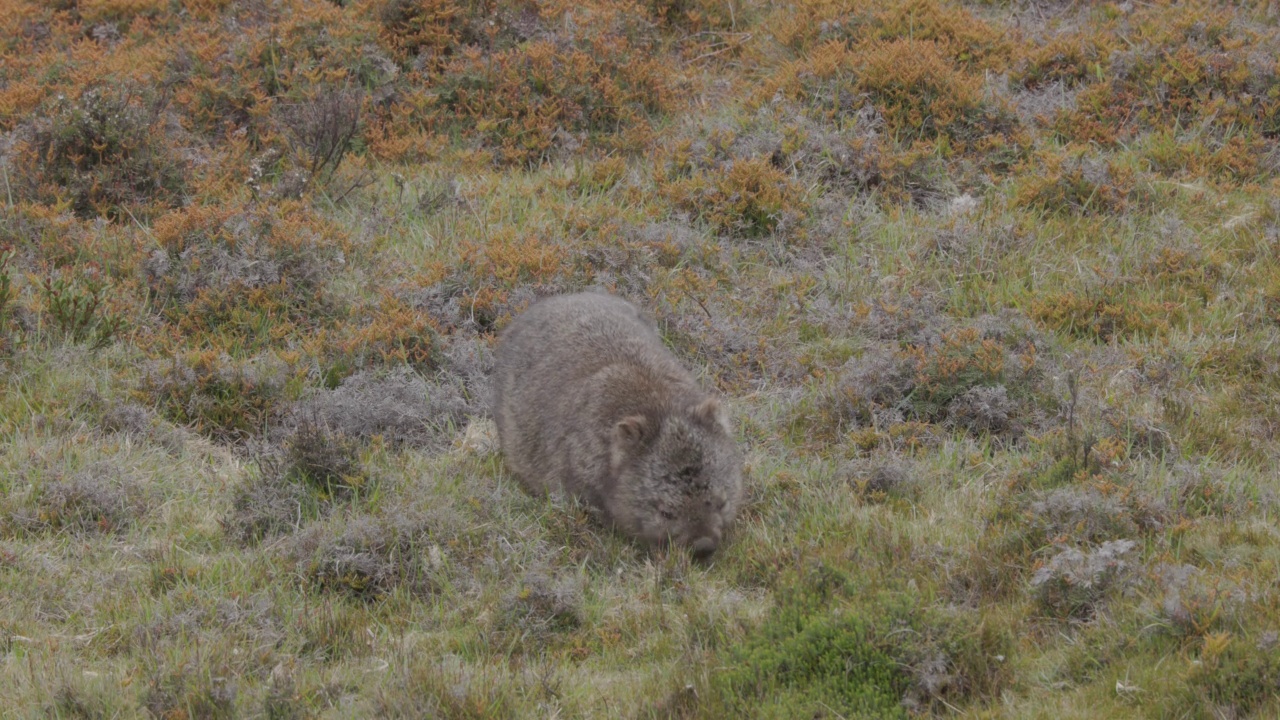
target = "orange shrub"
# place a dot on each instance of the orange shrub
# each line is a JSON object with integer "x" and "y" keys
{"x": 748, "y": 197}
{"x": 106, "y": 153}
{"x": 961, "y": 360}
{"x": 509, "y": 260}
{"x": 1069, "y": 59}
{"x": 433, "y": 28}
{"x": 1075, "y": 182}
{"x": 1180, "y": 64}
{"x": 963, "y": 37}
{"x": 99, "y": 11}
{"x": 1102, "y": 316}
{"x": 919, "y": 90}
{"x": 385, "y": 333}
{"x": 243, "y": 279}
{"x": 521, "y": 102}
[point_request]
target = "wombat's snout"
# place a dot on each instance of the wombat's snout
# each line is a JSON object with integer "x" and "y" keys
{"x": 703, "y": 547}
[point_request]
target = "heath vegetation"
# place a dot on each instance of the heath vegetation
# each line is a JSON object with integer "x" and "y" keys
{"x": 991, "y": 289}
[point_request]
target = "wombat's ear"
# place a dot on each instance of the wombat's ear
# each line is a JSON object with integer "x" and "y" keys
{"x": 628, "y": 434}
{"x": 711, "y": 414}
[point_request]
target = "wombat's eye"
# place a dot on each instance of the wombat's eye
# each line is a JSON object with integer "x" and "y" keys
{"x": 667, "y": 515}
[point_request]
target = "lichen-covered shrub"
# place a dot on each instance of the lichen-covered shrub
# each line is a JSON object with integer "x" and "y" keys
{"x": 399, "y": 406}
{"x": 540, "y": 605}
{"x": 1074, "y": 582}
{"x": 268, "y": 504}
{"x": 98, "y": 500}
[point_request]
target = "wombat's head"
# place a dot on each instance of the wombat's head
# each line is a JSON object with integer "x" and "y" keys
{"x": 678, "y": 476}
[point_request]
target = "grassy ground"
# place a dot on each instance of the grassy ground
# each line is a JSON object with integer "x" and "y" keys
{"x": 992, "y": 289}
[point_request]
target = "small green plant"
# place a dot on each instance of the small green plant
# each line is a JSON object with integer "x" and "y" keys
{"x": 78, "y": 310}
{"x": 6, "y": 288}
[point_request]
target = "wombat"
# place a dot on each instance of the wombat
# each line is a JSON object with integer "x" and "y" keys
{"x": 588, "y": 400}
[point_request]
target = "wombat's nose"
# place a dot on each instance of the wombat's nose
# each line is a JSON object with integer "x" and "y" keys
{"x": 703, "y": 547}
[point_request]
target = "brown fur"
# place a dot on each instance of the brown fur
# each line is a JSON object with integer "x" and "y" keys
{"x": 588, "y": 401}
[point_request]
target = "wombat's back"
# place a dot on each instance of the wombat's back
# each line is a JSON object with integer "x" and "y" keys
{"x": 587, "y": 399}
{"x": 542, "y": 361}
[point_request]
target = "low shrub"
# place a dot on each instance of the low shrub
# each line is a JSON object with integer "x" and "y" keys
{"x": 225, "y": 398}
{"x": 1102, "y": 315}
{"x": 1075, "y": 182}
{"x": 368, "y": 556}
{"x": 106, "y": 153}
{"x": 985, "y": 376}
{"x": 399, "y": 406}
{"x": 97, "y": 500}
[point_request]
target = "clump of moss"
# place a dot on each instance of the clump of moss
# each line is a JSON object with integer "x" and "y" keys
{"x": 1178, "y": 67}
{"x": 326, "y": 460}
{"x": 810, "y": 658}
